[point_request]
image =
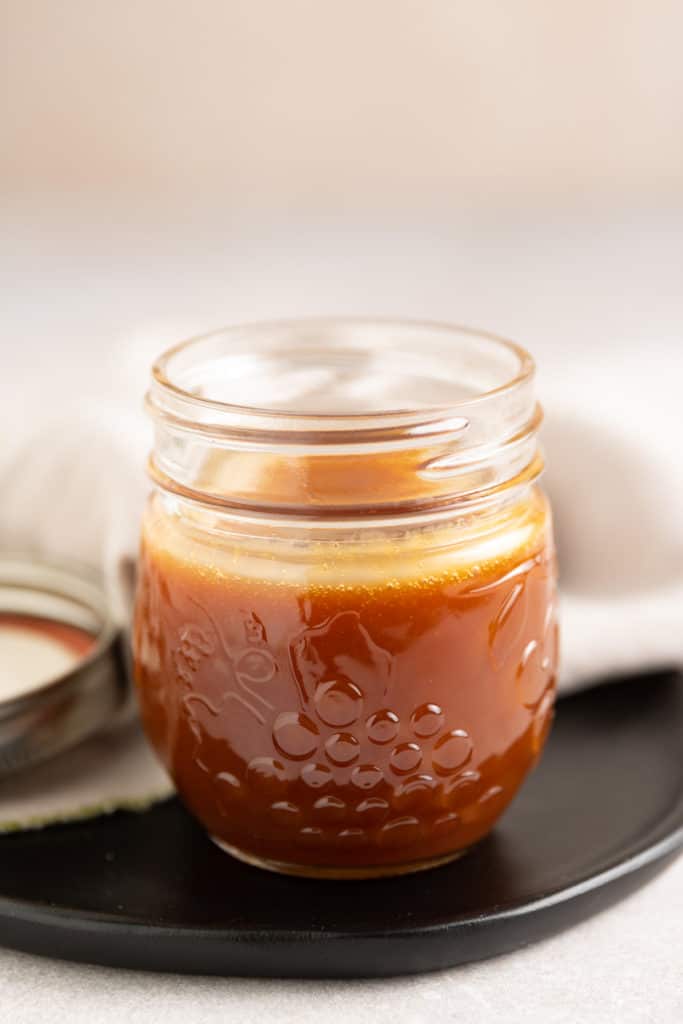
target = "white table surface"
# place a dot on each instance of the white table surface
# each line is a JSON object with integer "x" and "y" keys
{"x": 89, "y": 300}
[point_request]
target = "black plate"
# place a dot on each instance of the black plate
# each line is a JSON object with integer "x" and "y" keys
{"x": 601, "y": 815}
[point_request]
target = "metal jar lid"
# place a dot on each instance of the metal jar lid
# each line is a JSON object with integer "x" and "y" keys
{"x": 56, "y": 714}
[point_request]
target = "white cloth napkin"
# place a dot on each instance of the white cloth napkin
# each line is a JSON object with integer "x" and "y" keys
{"x": 75, "y": 487}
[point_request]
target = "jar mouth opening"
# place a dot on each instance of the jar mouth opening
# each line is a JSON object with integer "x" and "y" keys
{"x": 336, "y": 376}
{"x": 344, "y": 413}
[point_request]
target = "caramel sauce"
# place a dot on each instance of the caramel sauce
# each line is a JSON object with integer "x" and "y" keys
{"x": 353, "y": 706}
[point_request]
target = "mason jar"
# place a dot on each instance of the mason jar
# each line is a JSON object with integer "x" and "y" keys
{"x": 345, "y": 634}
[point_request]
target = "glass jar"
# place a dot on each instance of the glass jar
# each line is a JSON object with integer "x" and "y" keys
{"x": 345, "y": 632}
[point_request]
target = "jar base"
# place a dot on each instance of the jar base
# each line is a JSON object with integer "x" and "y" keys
{"x": 339, "y": 873}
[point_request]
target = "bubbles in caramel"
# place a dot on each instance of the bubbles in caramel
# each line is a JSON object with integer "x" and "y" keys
{"x": 358, "y": 694}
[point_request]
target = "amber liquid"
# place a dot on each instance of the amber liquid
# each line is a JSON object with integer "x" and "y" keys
{"x": 331, "y": 718}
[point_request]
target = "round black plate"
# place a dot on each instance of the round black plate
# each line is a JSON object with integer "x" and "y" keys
{"x": 601, "y": 815}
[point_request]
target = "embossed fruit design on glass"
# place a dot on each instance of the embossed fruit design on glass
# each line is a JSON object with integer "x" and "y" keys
{"x": 345, "y": 631}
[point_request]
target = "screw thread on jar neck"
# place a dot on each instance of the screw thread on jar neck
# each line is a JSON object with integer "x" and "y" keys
{"x": 374, "y": 453}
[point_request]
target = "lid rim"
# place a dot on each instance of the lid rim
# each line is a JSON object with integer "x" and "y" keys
{"x": 31, "y": 729}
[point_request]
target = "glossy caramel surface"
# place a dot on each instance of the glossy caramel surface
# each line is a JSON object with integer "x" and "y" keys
{"x": 315, "y": 710}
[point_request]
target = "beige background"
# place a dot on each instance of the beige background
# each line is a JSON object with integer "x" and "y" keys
{"x": 337, "y": 104}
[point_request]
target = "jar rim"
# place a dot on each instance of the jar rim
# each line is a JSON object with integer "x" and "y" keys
{"x": 287, "y": 458}
{"x": 169, "y": 396}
